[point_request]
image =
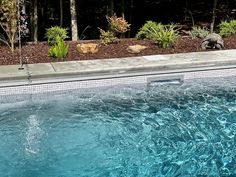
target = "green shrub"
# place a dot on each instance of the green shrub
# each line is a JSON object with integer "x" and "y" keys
{"x": 227, "y": 28}
{"x": 107, "y": 37}
{"x": 144, "y": 31}
{"x": 54, "y": 32}
{"x": 163, "y": 35}
{"x": 199, "y": 32}
{"x": 59, "y": 50}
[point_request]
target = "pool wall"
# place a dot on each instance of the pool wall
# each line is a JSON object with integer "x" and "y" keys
{"x": 51, "y": 86}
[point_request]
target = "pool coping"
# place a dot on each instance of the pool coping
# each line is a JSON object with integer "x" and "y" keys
{"x": 118, "y": 67}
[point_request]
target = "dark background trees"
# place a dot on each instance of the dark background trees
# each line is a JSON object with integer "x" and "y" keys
{"x": 91, "y": 14}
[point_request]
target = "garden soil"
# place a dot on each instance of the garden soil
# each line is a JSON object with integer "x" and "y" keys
{"x": 38, "y": 53}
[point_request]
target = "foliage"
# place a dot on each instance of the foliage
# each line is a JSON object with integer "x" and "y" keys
{"x": 199, "y": 32}
{"x": 164, "y": 38}
{"x": 54, "y": 32}
{"x": 107, "y": 37}
{"x": 59, "y": 50}
{"x": 118, "y": 24}
{"x": 144, "y": 31}
{"x": 227, "y": 28}
{"x": 23, "y": 21}
{"x": 8, "y": 22}
{"x": 163, "y": 35}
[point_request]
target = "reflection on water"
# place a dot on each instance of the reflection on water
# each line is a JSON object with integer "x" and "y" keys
{"x": 33, "y": 135}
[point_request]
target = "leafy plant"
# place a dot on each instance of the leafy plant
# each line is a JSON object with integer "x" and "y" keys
{"x": 54, "y": 32}
{"x": 8, "y": 22}
{"x": 227, "y": 28}
{"x": 59, "y": 50}
{"x": 199, "y": 32}
{"x": 118, "y": 24}
{"x": 165, "y": 37}
{"x": 107, "y": 37}
{"x": 162, "y": 35}
{"x": 144, "y": 31}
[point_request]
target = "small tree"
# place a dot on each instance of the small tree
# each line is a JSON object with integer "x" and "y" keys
{"x": 8, "y": 22}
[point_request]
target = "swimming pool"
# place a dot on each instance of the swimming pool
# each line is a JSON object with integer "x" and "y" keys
{"x": 164, "y": 130}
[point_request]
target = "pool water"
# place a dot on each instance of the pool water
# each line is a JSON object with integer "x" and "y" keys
{"x": 131, "y": 131}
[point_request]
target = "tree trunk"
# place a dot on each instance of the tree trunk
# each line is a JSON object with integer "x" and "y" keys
{"x": 122, "y": 14}
{"x": 61, "y": 13}
{"x": 35, "y": 21}
{"x": 12, "y": 44}
{"x": 74, "y": 28}
{"x": 213, "y": 16}
{"x": 131, "y": 15}
{"x": 123, "y": 8}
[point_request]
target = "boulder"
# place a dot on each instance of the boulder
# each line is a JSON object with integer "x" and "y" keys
{"x": 213, "y": 41}
{"x": 136, "y": 48}
{"x": 87, "y": 48}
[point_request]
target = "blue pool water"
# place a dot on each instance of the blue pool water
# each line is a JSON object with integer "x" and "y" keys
{"x": 132, "y": 131}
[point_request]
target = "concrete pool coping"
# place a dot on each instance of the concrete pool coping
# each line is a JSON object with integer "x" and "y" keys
{"x": 119, "y": 66}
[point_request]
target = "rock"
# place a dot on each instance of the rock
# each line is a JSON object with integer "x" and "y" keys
{"x": 87, "y": 48}
{"x": 213, "y": 41}
{"x": 136, "y": 48}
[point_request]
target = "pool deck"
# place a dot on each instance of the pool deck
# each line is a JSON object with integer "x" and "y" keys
{"x": 155, "y": 63}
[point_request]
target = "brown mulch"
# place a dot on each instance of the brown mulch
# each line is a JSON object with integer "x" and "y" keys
{"x": 38, "y": 53}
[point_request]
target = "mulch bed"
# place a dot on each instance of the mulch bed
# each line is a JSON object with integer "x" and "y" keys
{"x": 38, "y": 53}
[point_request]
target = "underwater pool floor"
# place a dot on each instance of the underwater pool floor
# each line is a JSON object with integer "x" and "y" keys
{"x": 164, "y": 130}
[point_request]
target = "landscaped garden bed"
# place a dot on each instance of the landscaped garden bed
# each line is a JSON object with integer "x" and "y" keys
{"x": 152, "y": 38}
{"x": 38, "y": 53}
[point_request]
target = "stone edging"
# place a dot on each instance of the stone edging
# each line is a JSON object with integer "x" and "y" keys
{"x": 159, "y": 63}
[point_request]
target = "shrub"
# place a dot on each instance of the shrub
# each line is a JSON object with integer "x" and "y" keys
{"x": 118, "y": 24}
{"x": 54, "y": 32}
{"x": 107, "y": 37}
{"x": 199, "y": 32}
{"x": 59, "y": 50}
{"x": 144, "y": 31}
{"x": 165, "y": 37}
{"x": 227, "y": 28}
{"x": 8, "y": 22}
{"x": 162, "y": 35}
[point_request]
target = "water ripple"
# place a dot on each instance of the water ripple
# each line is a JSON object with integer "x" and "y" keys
{"x": 164, "y": 131}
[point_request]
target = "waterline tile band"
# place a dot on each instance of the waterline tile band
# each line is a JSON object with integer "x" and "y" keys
{"x": 31, "y": 89}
